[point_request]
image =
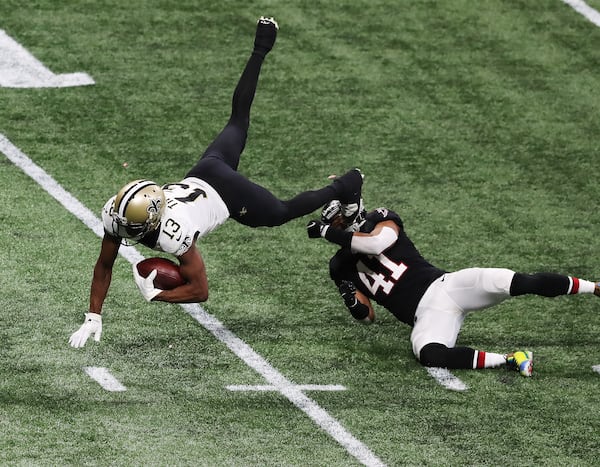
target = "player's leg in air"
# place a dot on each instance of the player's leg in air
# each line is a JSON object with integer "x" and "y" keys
{"x": 438, "y": 322}
{"x": 249, "y": 203}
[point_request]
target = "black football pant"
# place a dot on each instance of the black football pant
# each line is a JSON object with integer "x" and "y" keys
{"x": 249, "y": 203}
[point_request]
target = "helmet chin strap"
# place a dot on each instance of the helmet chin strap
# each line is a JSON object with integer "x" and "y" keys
{"x": 129, "y": 242}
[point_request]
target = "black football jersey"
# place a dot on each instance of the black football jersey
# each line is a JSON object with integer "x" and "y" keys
{"x": 396, "y": 279}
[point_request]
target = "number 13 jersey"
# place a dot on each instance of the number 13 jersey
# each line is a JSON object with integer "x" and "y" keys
{"x": 193, "y": 209}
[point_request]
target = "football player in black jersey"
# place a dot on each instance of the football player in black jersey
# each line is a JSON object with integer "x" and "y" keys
{"x": 172, "y": 217}
{"x": 378, "y": 261}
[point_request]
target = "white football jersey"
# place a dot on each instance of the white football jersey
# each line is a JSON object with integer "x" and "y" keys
{"x": 193, "y": 209}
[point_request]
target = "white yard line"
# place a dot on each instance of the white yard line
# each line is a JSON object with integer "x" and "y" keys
{"x": 290, "y": 390}
{"x": 275, "y": 379}
{"x": 103, "y": 377}
{"x": 584, "y": 9}
{"x": 301, "y": 387}
{"x": 293, "y": 392}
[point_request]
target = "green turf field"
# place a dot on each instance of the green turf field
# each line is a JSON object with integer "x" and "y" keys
{"x": 477, "y": 121}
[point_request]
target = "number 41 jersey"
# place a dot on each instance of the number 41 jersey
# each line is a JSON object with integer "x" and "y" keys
{"x": 193, "y": 209}
{"x": 396, "y": 279}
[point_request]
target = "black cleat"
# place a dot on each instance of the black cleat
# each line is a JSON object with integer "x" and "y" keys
{"x": 349, "y": 186}
{"x": 266, "y": 33}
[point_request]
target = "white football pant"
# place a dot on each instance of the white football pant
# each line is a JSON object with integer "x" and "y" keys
{"x": 442, "y": 310}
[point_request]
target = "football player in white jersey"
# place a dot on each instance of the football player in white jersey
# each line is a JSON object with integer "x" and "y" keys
{"x": 172, "y": 217}
{"x": 377, "y": 261}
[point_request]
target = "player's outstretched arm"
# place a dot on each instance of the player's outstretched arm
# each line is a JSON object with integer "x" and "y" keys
{"x": 103, "y": 272}
{"x": 102, "y": 276}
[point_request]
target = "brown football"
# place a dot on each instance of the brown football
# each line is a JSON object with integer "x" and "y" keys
{"x": 168, "y": 275}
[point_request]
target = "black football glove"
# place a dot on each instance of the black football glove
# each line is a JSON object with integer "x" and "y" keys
{"x": 348, "y": 292}
{"x": 266, "y": 33}
{"x": 357, "y": 309}
{"x": 316, "y": 229}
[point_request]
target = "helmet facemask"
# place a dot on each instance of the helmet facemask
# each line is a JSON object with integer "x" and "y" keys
{"x": 132, "y": 230}
{"x": 333, "y": 214}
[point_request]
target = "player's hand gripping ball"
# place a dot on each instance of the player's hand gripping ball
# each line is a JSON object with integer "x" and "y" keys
{"x": 168, "y": 275}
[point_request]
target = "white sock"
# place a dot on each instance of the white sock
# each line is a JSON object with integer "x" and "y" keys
{"x": 581, "y": 286}
{"x": 483, "y": 359}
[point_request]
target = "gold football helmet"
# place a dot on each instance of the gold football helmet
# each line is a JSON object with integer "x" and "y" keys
{"x": 138, "y": 209}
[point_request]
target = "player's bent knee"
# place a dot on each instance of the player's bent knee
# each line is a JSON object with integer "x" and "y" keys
{"x": 434, "y": 355}
{"x": 498, "y": 280}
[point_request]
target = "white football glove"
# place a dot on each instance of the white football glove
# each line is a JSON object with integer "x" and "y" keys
{"x": 91, "y": 325}
{"x": 146, "y": 284}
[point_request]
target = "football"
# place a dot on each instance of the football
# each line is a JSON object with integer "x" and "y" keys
{"x": 168, "y": 275}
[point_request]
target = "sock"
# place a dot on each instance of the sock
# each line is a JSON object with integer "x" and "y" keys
{"x": 548, "y": 284}
{"x": 580, "y": 286}
{"x": 483, "y": 359}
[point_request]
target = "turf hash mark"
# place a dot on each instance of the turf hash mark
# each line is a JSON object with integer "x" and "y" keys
{"x": 103, "y": 377}
{"x": 447, "y": 379}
